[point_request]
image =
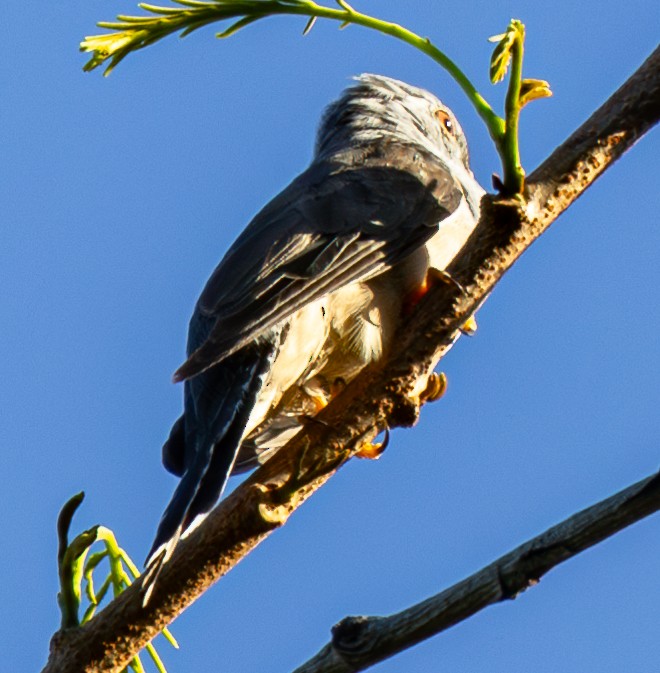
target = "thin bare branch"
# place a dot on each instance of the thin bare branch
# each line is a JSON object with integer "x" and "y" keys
{"x": 360, "y": 642}
{"x": 381, "y": 397}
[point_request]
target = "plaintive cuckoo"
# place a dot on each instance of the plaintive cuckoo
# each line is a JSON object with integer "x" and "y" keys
{"x": 314, "y": 288}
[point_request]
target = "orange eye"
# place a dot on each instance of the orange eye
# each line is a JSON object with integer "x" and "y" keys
{"x": 445, "y": 120}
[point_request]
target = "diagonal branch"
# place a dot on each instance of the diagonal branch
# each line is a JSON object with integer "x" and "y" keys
{"x": 360, "y": 642}
{"x": 386, "y": 396}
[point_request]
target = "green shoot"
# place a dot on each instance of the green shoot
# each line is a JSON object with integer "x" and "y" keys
{"x": 136, "y": 32}
{"x": 77, "y": 566}
{"x": 509, "y": 52}
{"x": 131, "y": 33}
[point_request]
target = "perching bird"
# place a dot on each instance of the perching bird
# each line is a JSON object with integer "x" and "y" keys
{"x": 314, "y": 288}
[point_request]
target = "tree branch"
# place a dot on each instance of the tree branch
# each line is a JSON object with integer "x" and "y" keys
{"x": 360, "y": 642}
{"x": 383, "y": 396}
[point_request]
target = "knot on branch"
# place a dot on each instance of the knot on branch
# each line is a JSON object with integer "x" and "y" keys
{"x": 529, "y": 565}
{"x": 404, "y": 411}
{"x": 509, "y": 215}
{"x": 514, "y": 582}
{"x": 354, "y": 637}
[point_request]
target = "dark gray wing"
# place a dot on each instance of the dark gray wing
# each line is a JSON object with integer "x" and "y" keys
{"x": 334, "y": 225}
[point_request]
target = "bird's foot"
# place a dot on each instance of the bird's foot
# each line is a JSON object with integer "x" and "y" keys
{"x": 370, "y": 451}
{"x": 433, "y": 276}
{"x": 320, "y": 394}
{"x": 469, "y": 326}
{"x": 439, "y": 275}
{"x": 436, "y": 387}
{"x": 373, "y": 450}
{"x": 283, "y": 492}
{"x": 318, "y": 402}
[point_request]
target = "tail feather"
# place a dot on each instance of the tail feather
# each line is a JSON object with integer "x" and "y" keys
{"x": 174, "y": 449}
{"x": 218, "y": 406}
{"x": 214, "y": 480}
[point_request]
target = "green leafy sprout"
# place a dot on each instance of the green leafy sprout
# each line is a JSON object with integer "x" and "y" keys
{"x": 131, "y": 33}
{"x": 77, "y": 567}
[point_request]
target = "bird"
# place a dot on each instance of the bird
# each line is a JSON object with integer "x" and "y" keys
{"x": 315, "y": 287}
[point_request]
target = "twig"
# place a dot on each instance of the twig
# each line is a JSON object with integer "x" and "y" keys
{"x": 136, "y": 32}
{"x": 360, "y": 642}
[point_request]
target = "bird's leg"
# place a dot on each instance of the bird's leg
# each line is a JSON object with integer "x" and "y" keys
{"x": 469, "y": 327}
{"x": 318, "y": 402}
{"x": 303, "y": 472}
{"x": 337, "y": 386}
{"x": 321, "y": 395}
{"x": 316, "y": 395}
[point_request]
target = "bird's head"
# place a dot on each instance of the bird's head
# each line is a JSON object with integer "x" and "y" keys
{"x": 379, "y": 108}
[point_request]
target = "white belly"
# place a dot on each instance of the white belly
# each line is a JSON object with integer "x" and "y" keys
{"x": 335, "y": 337}
{"x": 306, "y": 334}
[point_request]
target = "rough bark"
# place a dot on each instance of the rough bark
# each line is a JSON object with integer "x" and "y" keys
{"x": 382, "y": 397}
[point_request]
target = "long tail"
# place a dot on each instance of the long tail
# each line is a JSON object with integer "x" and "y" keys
{"x": 218, "y": 406}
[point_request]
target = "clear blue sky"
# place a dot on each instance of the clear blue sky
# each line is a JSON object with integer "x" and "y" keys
{"x": 120, "y": 195}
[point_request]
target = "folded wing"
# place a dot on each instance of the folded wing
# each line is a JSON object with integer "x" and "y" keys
{"x": 332, "y": 226}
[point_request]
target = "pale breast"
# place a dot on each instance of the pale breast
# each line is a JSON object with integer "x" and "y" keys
{"x": 452, "y": 234}
{"x": 299, "y": 353}
{"x": 330, "y": 341}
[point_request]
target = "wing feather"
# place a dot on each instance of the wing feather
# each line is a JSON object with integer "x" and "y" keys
{"x": 332, "y": 226}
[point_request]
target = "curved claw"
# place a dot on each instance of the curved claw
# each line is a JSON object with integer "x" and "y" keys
{"x": 469, "y": 326}
{"x": 372, "y": 451}
{"x": 441, "y": 275}
{"x": 436, "y": 387}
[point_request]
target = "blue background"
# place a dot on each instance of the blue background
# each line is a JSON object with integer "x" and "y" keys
{"x": 120, "y": 195}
